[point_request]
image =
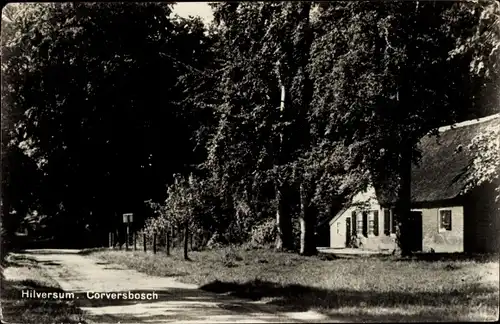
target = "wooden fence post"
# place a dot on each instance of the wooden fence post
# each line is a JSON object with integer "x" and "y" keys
{"x": 126, "y": 239}
{"x": 135, "y": 241}
{"x": 154, "y": 243}
{"x": 110, "y": 240}
{"x": 168, "y": 242}
{"x": 144, "y": 241}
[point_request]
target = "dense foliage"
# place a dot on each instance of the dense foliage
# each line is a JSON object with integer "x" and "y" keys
{"x": 485, "y": 166}
{"x": 275, "y": 113}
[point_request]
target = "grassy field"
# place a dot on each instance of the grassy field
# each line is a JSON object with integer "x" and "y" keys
{"x": 358, "y": 289}
{"x": 25, "y": 274}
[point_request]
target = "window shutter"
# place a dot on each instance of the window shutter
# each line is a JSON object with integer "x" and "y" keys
{"x": 387, "y": 221}
{"x": 365, "y": 223}
{"x": 375, "y": 223}
{"x": 449, "y": 221}
{"x": 354, "y": 223}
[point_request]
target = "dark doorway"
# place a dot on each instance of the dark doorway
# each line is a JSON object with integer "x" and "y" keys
{"x": 416, "y": 228}
{"x": 347, "y": 231}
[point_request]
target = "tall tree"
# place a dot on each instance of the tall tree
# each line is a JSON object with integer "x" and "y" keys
{"x": 21, "y": 178}
{"x": 268, "y": 68}
{"x": 97, "y": 88}
{"x": 245, "y": 151}
{"x": 293, "y": 25}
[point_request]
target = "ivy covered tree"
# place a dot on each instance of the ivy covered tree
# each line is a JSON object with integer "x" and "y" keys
{"x": 263, "y": 117}
{"x": 243, "y": 151}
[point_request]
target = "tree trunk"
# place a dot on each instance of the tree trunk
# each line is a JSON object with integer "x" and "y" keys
{"x": 283, "y": 221}
{"x": 403, "y": 204}
{"x": 186, "y": 240}
{"x": 307, "y": 223}
{"x": 173, "y": 236}
{"x": 300, "y": 134}
{"x": 284, "y": 240}
{"x": 180, "y": 236}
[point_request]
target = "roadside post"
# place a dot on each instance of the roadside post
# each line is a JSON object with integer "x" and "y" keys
{"x": 127, "y": 219}
{"x": 168, "y": 241}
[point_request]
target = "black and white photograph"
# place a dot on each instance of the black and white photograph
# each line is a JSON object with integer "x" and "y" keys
{"x": 250, "y": 162}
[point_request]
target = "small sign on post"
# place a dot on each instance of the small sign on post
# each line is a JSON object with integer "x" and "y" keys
{"x": 128, "y": 218}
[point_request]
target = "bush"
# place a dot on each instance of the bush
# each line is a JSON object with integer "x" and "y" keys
{"x": 264, "y": 233}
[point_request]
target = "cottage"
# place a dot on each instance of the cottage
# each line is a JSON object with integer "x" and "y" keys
{"x": 446, "y": 220}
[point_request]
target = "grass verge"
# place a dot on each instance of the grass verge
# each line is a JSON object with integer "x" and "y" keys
{"x": 359, "y": 289}
{"x": 22, "y": 275}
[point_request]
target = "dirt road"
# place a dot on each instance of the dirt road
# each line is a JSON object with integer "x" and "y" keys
{"x": 174, "y": 301}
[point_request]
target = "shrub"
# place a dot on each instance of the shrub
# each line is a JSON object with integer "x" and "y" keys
{"x": 264, "y": 233}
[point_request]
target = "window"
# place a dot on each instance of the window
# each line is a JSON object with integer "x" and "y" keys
{"x": 375, "y": 222}
{"x": 445, "y": 220}
{"x": 338, "y": 227}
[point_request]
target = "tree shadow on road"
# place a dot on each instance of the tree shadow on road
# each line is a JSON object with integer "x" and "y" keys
{"x": 219, "y": 299}
{"x": 294, "y": 298}
{"x": 261, "y": 299}
{"x": 171, "y": 304}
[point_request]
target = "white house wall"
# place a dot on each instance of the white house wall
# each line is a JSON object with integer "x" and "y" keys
{"x": 438, "y": 240}
{"x": 338, "y": 230}
{"x": 362, "y": 201}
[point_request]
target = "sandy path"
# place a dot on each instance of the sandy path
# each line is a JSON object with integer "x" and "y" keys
{"x": 177, "y": 302}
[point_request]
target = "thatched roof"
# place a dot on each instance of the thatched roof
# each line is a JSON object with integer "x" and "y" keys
{"x": 440, "y": 174}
